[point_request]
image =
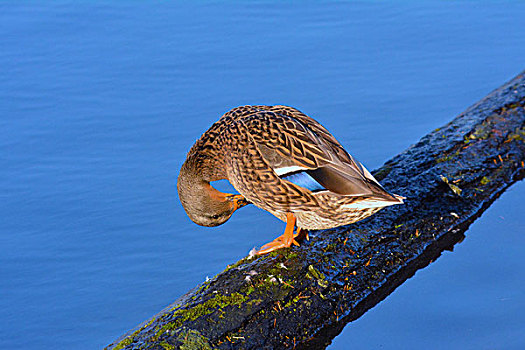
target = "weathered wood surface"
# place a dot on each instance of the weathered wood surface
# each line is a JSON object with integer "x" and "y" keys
{"x": 302, "y": 297}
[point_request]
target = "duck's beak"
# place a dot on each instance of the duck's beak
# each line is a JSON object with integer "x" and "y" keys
{"x": 238, "y": 201}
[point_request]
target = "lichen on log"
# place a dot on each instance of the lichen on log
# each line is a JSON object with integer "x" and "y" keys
{"x": 302, "y": 297}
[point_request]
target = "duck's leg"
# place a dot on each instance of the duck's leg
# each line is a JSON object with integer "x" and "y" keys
{"x": 283, "y": 241}
{"x": 302, "y": 233}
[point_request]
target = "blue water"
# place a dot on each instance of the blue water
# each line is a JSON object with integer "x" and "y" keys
{"x": 100, "y": 101}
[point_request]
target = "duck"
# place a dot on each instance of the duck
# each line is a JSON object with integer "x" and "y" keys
{"x": 282, "y": 161}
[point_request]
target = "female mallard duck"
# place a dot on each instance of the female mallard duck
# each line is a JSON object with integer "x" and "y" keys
{"x": 284, "y": 162}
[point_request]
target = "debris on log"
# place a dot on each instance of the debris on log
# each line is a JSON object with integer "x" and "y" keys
{"x": 302, "y": 297}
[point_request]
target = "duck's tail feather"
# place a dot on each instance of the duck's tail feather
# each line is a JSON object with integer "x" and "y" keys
{"x": 372, "y": 203}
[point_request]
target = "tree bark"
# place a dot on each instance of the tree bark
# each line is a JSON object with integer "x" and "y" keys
{"x": 302, "y": 297}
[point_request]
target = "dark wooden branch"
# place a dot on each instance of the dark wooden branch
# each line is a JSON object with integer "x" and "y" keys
{"x": 303, "y": 296}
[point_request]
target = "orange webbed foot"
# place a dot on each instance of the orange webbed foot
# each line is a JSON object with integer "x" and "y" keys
{"x": 284, "y": 241}
{"x": 270, "y": 247}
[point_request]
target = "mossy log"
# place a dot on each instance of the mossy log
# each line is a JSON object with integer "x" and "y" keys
{"x": 302, "y": 297}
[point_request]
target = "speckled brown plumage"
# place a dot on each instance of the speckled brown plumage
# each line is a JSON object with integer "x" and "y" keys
{"x": 251, "y": 145}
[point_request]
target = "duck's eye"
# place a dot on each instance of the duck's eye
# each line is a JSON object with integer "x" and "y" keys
{"x": 215, "y": 217}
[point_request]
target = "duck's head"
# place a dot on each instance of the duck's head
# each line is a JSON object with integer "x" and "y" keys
{"x": 205, "y": 205}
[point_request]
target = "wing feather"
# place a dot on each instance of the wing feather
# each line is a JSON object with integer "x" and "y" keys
{"x": 289, "y": 140}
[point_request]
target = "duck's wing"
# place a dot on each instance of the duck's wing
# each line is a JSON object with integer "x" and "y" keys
{"x": 299, "y": 149}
